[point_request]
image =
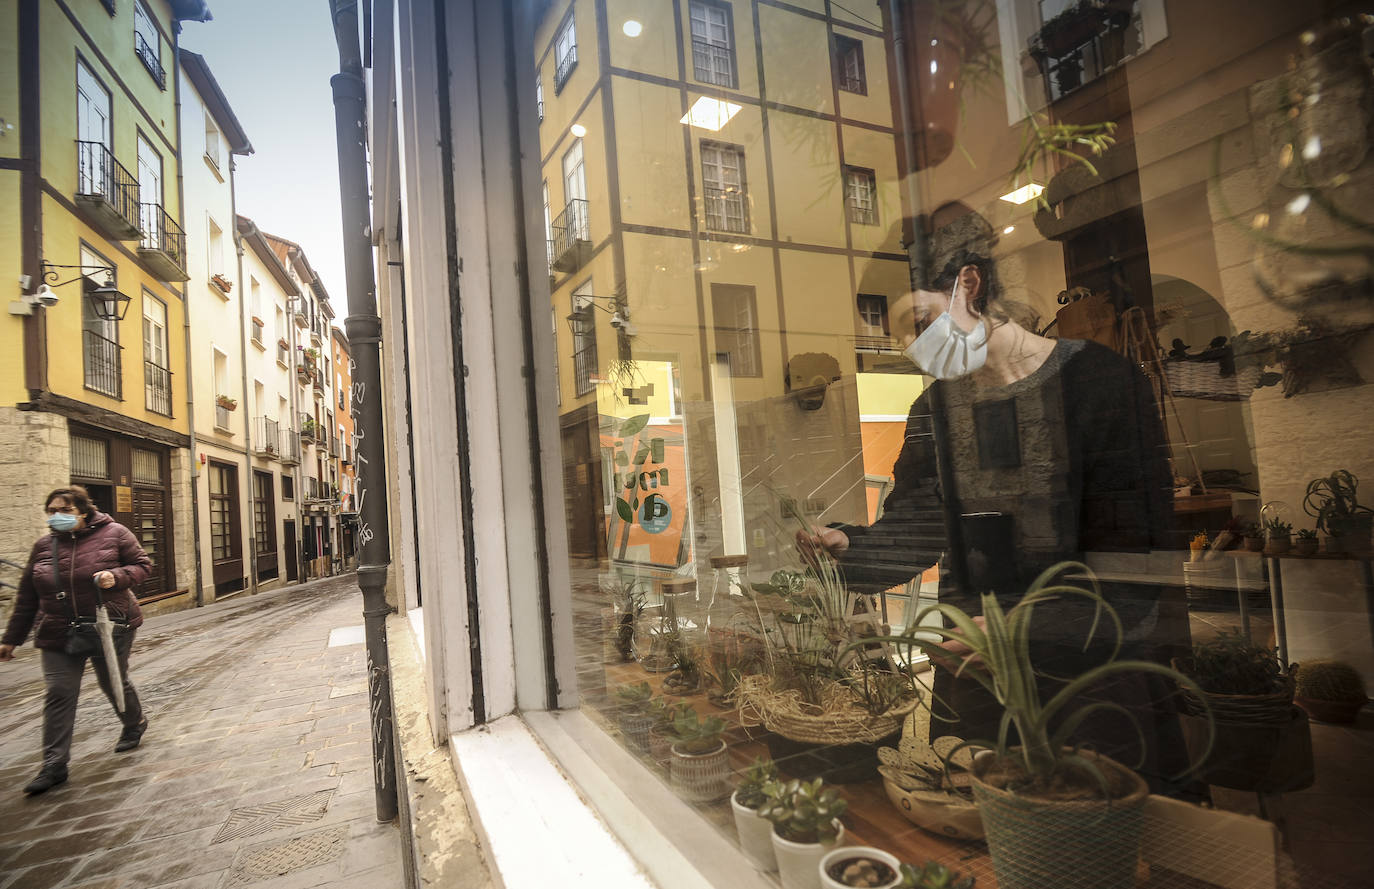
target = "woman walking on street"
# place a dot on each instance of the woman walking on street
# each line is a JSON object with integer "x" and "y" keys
{"x": 88, "y": 559}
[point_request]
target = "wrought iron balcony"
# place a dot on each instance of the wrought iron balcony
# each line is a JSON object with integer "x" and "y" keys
{"x": 157, "y": 388}
{"x": 107, "y": 191}
{"x": 334, "y": 449}
{"x": 727, "y": 210}
{"x": 880, "y": 343}
{"x": 103, "y": 366}
{"x": 288, "y": 447}
{"x": 571, "y": 237}
{"x": 266, "y": 437}
{"x": 713, "y": 64}
{"x": 163, "y": 248}
{"x": 565, "y": 69}
{"x": 148, "y": 56}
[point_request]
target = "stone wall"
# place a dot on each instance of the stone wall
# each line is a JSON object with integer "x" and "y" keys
{"x": 35, "y": 458}
{"x": 183, "y": 522}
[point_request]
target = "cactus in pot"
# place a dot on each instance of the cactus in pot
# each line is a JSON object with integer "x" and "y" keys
{"x": 1329, "y": 690}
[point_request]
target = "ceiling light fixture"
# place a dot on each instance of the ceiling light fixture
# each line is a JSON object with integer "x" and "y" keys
{"x": 1024, "y": 193}
{"x": 632, "y": 28}
{"x": 710, "y": 114}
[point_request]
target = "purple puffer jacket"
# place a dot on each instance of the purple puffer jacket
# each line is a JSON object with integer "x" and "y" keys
{"x": 103, "y": 545}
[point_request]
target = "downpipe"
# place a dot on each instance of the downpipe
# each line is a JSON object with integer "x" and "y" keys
{"x": 364, "y": 328}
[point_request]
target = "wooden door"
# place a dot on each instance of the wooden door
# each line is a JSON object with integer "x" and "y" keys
{"x": 288, "y": 532}
{"x": 150, "y": 527}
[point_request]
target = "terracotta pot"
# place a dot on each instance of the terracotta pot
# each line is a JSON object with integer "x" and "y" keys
{"x": 799, "y": 863}
{"x": 1339, "y": 712}
{"x": 755, "y": 836}
{"x": 839, "y": 856}
{"x": 1306, "y": 546}
{"x": 1254, "y": 544}
{"x": 1262, "y": 757}
{"x": 700, "y": 777}
{"x": 1278, "y": 544}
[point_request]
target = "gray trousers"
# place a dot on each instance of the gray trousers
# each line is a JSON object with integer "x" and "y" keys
{"x": 62, "y": 674}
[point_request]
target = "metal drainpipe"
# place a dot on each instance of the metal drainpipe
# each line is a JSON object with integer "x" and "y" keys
{"x": 955, "y": 558}
{"x": 186, "y": 333}
{"x": 364, "y": 328}
{"x": 293, "y": 305}
{"x": 252, "y": 549}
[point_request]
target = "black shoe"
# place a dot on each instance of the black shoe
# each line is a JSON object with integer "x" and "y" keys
{"x": 131, "y": 736}
{"x": 47, "y": 779}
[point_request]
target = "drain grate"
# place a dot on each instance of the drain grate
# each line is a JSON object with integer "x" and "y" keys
{"x": 281, "y": 857}
{"x": 253, "y": 820}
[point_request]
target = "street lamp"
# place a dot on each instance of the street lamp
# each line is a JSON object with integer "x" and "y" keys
{"x": 108, "y": 302}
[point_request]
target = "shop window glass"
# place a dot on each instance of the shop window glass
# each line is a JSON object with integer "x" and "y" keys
{"x": 872, "y": 376}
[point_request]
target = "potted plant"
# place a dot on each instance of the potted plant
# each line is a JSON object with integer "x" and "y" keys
{"x": 755, "y": 831}
{"x": 635, "y": 718}
{"x": 1307, "y": 542}
{"x": 806, "y": 824}
{"x": 933, "y": 875}
{"x": 699, "y": 770}
{"x": 1329, "y": 690}
{"x": 660, "y": 736}
{"x": 1279, "y": 536}
{"x": 226, "y": 402}
{"x": 1044, "y": 794}
{"x": 283, "y": 343}
{"x": 1254, "y": 537}
{"x": 861, "y": 866}
{"x": 619, "y": 621}
{"x": 1332, "y": 501}
{"x": 1261, "y": 741}
{"x": 223, "y": 284}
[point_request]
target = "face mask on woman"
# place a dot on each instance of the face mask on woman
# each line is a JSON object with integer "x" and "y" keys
{"x": 61, "y": 521}
{"x": 946, "y": 352}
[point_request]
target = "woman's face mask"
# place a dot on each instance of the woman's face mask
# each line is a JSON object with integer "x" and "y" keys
{"x": 61, "y": 521}
{"x": 945, "y": 351}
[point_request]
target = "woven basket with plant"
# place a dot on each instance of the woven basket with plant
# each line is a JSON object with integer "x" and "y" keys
{"x": 1243, "y": 681}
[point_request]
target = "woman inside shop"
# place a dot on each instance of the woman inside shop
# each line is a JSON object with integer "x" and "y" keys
{"x": 87, "y": 559}
{"x": 1054, "y": 450}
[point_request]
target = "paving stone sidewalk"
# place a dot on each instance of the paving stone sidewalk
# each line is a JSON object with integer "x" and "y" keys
{"x": 256, "y": 770}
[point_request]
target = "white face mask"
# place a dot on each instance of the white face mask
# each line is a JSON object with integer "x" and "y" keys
{"x": 946, "y": 352}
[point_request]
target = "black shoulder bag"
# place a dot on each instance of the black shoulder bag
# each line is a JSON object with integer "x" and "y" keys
{"x": 83, "y": 639}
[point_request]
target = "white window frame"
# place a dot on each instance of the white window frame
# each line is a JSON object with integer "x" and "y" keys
{"x": 723, "y": 169}
{"x": 712, "y": 27}
{"x": 861, "y": 195}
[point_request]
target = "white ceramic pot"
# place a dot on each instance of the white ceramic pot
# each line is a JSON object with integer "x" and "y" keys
{"x": 799, "y": 863}
{"x": 755, "y": 836}
{"x": 700, "y": 777}
{"x": 835, "y": 856}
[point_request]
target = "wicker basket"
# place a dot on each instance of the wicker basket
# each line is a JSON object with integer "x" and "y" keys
{"x": 837, "y": 720}
{"x": 1271, "y": 708}
{"x": 1193, "y": 378}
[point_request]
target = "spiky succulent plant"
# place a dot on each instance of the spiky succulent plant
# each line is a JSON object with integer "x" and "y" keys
{"x": 1328, "y": 680}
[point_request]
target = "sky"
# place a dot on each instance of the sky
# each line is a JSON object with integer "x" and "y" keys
{"x": 273, "y": 60}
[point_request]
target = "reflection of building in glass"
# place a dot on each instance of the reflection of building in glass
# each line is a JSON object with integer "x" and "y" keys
{"x": 717, "y": 193}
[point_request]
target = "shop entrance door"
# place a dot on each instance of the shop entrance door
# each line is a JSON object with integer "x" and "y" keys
{"x": 288, "y": 533}
{"x": 150, "y": 527}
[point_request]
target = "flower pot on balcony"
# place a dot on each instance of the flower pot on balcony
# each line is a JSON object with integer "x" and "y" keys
{"x": 222, "y": 284}
{"x": 226, "y": 402}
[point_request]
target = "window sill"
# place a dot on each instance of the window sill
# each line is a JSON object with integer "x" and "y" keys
{"x": 673, "y": 843}
{"x": 261, "y": 348}
{"x": 283, "y": 365}
{"x": 214, "y": 167}
{"x": 224, "y": 430}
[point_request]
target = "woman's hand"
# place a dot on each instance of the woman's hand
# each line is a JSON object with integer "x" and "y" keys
{"x": 831, "y": 541}
{"x": 958, "y": 652}
{"x": 6, "y": 652}
{"x": 104, "y": 579}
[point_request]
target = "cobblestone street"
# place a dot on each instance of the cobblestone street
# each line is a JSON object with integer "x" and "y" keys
{"x": 255, "y": 770}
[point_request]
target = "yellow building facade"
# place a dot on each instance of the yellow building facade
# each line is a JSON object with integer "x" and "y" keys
{"x": 723, "y": 220}
{"x": 93, "y": 394}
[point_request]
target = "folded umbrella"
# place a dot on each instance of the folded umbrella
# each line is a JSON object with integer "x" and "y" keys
{"x": 105, "y": 630}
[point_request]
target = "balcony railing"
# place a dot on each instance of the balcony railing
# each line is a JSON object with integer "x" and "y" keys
{"x": 103, "y": 365}
{"x": 726, "y": 210}
{"x": 584, "y": 368}
{"x": 312, "y": 488}
{"x": 571, "y": 237}
{"x": 713, "y": 64}
{"x": 334, "y": 449}
{"x": 163, "y": 247}
{"x": 288, "y": 447}
{"x": 107, "y": 190}
{"x": 301, "y": 321}
{"x": 875, "y": 343}
{"x": 222, "y": 415}
{"x": 564, "y": 69}
{"x": 157, "y": 388}
{"x": 266, "y": 437}
{"x": 148, "y": 56}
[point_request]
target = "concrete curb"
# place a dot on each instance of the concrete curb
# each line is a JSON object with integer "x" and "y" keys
{"x": 438, "y": 841}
